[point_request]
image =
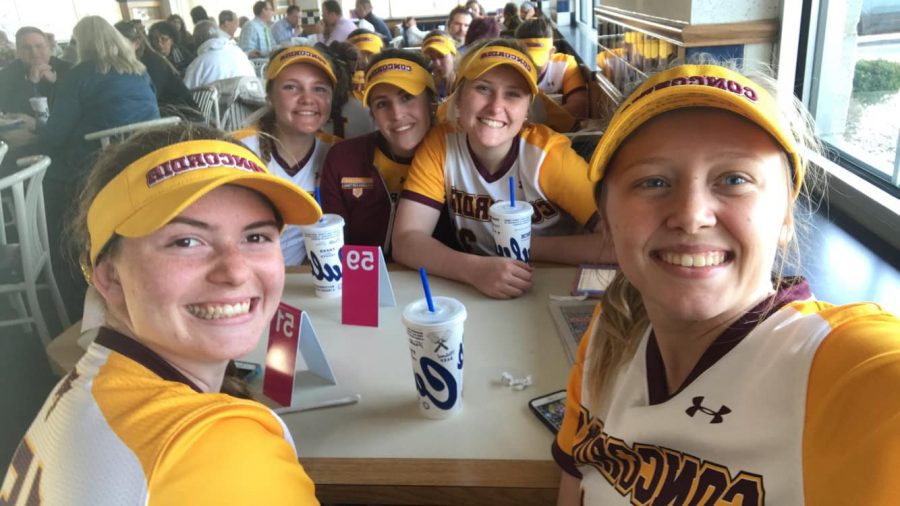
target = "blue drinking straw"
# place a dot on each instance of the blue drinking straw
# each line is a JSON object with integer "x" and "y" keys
{"x": 319, "y": 201}
{"x": 512, "y": 191}
{"x": 426, "y": 288}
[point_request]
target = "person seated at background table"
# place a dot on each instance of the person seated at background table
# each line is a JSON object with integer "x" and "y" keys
{"x": 482, "y": 28}
{"x": 228, "y": 23}
{"x": 199, "y": 14}
{"x": 362, "y": 179}
{"x": 466, "y": 162}
{"x": 440, "y": 48}
{"x": 511, "y": 20}
{"x": 458, "y": 24}
{"x": 475, "y": 9}
{"x": 559, "y": 72}
{"x": 300, "y": 87}
{"x": 364, "y": 12}
{"x": 34, "y": 72}
{"x": 411, "y": 35}
{"x": 526, "y": 11}
{"x": 164, "y": 39}
{"x": 7, "y": 49}
{"x": 172, "y": 96}
{"x": 287, "y": 27}
{"x": 217, "y": 58}
{"x": 190, "y": 273}
{"x": 184, "y": 37}
{"x": 107, "y": 89}
{"x": 334, "y": 27}
{"x": 368, "y": 44}
{"x": 256, "y": 38}
{"x": 706, "y": 350}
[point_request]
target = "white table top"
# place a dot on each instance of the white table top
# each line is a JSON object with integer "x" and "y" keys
{"x": 517, "y": 336}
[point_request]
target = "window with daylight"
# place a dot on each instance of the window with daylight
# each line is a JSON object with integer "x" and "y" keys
{"x": 854, "y": 87}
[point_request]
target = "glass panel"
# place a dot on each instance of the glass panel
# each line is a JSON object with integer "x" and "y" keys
{"x": 857, "y": 112}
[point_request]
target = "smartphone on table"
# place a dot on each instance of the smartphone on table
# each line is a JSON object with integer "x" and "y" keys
{"x": 550, "y": 409}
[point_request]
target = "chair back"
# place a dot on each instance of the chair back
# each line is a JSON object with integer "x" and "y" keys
{"x": 207, "y": 99}
{"x": 26, "y": 188}
{"x": 241, "y": 97}
{"x": 120, "y": 133}
{"x": 3, "y": 149}
{"x": 260, "y": 65}
{"x": 33, "y": 247}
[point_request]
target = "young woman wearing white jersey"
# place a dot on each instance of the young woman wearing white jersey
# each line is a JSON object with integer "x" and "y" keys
{"x": 300, "y": 89}
{"x": 467, "y": 162}
{"x": 178, "y": 232}
{"x": 710, "y": 376}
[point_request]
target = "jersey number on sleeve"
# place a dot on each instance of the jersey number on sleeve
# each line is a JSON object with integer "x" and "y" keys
{"x": 22, "y": 462}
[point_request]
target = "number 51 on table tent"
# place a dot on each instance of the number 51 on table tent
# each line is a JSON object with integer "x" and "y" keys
{"x": 366, "y": 285}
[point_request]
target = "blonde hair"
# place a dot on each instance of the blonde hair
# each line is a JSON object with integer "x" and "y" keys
{"x": 102, "y": 44}
{"x": 623, "y": 320}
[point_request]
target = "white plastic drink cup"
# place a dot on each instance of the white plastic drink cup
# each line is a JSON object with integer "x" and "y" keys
{"x": 41, "y": 109}
{"x": 324, "y": 240}
{"x": 436, "y": 347}
{"x": 512, "y": 229}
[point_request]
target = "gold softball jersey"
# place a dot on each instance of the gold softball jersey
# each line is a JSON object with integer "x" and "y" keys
{"x": 125, "y": 427}
{"x": 303, "y": 173}
{"x": 562, "y": 75}
{"x": 802, "y": 408}
{"x": 548, "y": 174}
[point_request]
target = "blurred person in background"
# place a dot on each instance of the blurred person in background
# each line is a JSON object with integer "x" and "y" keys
{"x": 34, "y": 73}
{"x": 475, "y": 8}
{"x": 335, "y": 27}
{"x": 172, "y": 96}
{"x": 256, "y": 37}
{"x": 228, "y": 23}
{"x": 482, "y": 28}
{"x": 184, "y": 38}
{"x": 287, "y": 27}
{"x": 164, "y": 39}
{"x": 526, "y": 10}
{"x": 364, "y": 11}
{"x": 199, "y": 14}
{"x": 439, "y": 46}
{"x": 368, "y": 44}
{"x": 558, "y": 72}
{"x": 511, "y": 19}
{"x": 217, "y": 58}
{"x": 7, "y": 50}
{"x": 412, "y": 36}
{"x": 458, "y": 24}
{"x": 108, "y": 88}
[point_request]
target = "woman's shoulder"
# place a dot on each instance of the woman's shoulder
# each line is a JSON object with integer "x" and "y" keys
{"x": 544, "y": 137}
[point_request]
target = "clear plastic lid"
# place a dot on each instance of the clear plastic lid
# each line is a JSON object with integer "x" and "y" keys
{"x": 327, "y": 221}
{"x": 502, "y": 207}
{"x": 447, "y": 310}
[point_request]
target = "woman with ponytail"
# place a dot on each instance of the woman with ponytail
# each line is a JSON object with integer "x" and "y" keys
{"x": 300, "y": 90}
{"x": 709, "y": 376}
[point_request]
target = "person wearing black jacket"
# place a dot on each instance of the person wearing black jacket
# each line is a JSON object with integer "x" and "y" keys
{"x": 34, "y": 73}
{"x": 172, "y": 95}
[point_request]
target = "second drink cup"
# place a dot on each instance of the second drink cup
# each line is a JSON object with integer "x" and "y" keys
{"x": 436, "y": 346}
{"x": 324, "y": 240}
{"x": 512, "y": 229}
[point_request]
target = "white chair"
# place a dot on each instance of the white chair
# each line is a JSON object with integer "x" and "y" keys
{"x": 119, "y": 134}
{"x": 241, "y": 97}
{"x": 22, "y": 264}
{"x": 260, "y": 65}
{"x": 3, "y": 149}
{"x": 207, "y": 99}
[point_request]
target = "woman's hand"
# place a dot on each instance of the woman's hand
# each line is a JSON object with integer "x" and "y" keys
{"x": 500, "y": 277}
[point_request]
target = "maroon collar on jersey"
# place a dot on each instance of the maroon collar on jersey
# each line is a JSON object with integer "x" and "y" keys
{"x": 292, "y": 170}
{"x": 508, "y": 160}
{"x": 791, "y": 289}
{"x": 120, "y": 343}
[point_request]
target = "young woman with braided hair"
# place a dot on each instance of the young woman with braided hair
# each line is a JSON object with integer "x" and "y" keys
{"x": 300, "y": 90}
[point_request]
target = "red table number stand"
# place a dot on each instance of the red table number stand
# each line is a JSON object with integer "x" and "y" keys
{"x": 291, "y": 334}
{"x": 366, "y": 285}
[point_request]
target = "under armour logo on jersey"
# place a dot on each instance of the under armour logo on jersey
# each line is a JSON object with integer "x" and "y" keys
{"x": 717, "y": 416}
